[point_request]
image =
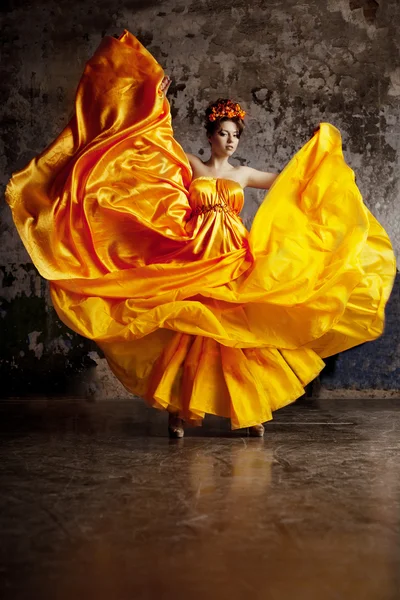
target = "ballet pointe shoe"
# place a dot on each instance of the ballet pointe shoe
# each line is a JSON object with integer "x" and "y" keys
{"x": 257, "y": 430}
{"x": 175, "y": 426}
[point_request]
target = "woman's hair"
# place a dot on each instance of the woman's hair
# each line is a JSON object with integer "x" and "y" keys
{"x": 222, "y": 110}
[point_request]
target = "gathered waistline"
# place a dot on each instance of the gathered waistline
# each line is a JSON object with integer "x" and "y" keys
{"x": 218, "y": 207}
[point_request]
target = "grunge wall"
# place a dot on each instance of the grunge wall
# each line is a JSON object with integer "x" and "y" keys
{"x": 291, "y": 64}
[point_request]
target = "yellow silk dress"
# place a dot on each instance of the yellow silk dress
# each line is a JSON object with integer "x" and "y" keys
{"x": 194, "y": 312}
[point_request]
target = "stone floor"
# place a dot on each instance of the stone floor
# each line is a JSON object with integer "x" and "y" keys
{"x": 97, "y": 503}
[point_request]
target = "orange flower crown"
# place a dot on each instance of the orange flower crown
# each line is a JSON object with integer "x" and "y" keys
{"x": 227, "y": 109}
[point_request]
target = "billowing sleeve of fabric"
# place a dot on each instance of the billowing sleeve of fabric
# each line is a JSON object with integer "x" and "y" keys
{"x": 325, "y": 264}
{"x": 111, "y": 191}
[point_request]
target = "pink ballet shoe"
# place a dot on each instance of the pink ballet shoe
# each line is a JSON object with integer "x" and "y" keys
{"x": 175, "y": 426}
{"x": 257, "y": 430}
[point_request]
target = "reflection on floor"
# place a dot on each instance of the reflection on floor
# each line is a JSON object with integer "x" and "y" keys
{"x": 97, "y": 503}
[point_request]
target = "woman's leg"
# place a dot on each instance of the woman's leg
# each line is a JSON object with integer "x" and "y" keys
{"x": 175, "y": 426}
{"x": 257, "y": 430}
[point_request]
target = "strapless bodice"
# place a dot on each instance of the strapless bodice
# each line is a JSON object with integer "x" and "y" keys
{"x": 212, "y": 194}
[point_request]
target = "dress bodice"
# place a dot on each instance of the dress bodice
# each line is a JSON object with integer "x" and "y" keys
{"x": 211, "y": 194}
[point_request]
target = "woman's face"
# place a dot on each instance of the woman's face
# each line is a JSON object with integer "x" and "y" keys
{"x": 225, "y": 140}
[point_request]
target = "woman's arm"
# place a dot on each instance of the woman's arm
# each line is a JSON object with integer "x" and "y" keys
{"x": 259, "y": 179}
{"x": 195, "y": 161}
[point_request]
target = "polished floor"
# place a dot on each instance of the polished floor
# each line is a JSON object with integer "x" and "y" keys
{"x": 97, "y": 503}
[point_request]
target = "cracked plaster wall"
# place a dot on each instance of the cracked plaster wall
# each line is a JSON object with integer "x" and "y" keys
{"x": 292, "y": 64}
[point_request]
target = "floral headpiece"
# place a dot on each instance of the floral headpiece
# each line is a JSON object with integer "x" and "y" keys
{"x": 227, "y": 109}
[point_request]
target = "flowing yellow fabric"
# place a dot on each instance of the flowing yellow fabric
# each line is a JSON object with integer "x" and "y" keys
{"x": 192, "y": 311}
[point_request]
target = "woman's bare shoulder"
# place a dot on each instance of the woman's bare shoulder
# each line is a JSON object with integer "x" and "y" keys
{"x": 198, "y": 167}
{"x": 194, "y": 160}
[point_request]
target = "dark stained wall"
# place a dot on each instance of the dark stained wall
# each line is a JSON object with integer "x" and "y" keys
{"x": 291, "y": 64}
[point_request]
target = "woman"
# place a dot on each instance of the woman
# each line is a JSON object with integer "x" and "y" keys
{"x": 146, "y": 253}
{"x": 223, "y": 134}
{"x": 224, "y": 129}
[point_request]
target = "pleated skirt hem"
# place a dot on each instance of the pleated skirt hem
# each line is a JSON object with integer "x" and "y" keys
{"x": 195, "y": 376}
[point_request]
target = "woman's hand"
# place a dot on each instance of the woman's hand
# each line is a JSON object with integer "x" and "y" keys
{"x": 166, "y": 82}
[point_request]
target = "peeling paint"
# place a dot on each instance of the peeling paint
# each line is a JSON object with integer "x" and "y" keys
{"x": 291, "y": 65}
{"x": 33, "y": 345}
{"x": 394, "y": 88}
{"x": 60, "y": 345}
